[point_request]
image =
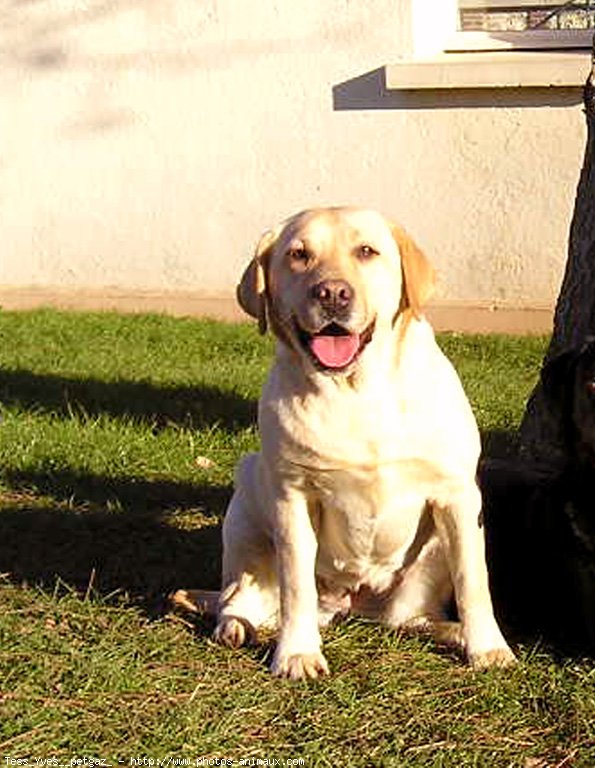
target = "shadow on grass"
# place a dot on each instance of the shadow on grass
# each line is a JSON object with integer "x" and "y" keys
{"x": 193, "y": 407}
{"x": 127, "y": 535}
{"x": 146, "y": 538}
{"x": 132, "y": 495}
{"x": 137, "y": 536}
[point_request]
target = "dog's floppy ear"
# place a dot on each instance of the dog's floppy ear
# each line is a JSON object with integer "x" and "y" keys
{"x": 252, "y": 289}
{"x": 419, "y": 277}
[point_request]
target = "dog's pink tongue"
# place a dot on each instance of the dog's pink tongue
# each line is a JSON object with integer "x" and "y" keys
{"x": 334, "y": 351}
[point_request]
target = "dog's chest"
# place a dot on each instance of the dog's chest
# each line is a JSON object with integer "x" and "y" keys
{"x": 367, "y": 521}
{"x": 344, "y": 430}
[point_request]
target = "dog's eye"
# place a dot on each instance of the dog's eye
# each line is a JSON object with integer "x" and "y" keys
{"x": 367, "y": 252}
{"x": 299, "y": 255}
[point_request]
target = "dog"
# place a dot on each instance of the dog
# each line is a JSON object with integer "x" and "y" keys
{"x": 539, "y": 514}
{"x": 363, "y": 498}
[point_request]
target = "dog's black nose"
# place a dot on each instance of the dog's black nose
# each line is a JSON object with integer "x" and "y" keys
{"x": 333, "y": 295}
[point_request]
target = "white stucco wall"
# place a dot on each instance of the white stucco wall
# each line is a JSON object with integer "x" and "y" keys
{"x": 145, "y": 145}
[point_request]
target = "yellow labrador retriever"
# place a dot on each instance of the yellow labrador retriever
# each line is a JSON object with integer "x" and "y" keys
{"x": 363, "y": 497}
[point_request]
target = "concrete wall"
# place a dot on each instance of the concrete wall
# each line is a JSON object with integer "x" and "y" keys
{"x": 144, "y": 145}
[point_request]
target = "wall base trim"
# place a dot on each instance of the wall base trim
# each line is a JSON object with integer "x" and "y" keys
{"x": 461, "y": 316}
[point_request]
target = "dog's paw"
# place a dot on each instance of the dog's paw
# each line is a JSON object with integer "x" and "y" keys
{"x": 300, "y": 666}
{"x": 234, "y": 632}
{"x": 496, "y": 657}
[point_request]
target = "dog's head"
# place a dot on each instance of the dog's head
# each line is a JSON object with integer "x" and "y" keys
{"x": 328, "y": 279}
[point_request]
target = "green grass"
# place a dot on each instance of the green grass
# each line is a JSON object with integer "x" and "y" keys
{"x": 106, "y": 504}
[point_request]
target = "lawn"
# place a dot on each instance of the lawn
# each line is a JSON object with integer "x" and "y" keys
{"x": 118, "y": 438}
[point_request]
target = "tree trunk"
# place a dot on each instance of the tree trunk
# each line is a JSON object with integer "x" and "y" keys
{"x": 574, "y": 319}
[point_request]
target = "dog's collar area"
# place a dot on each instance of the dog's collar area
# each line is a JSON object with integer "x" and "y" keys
{"x": 334, "y": 349}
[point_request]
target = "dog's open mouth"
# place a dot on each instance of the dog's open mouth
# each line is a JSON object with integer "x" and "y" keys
{"x": 334, "y": 348}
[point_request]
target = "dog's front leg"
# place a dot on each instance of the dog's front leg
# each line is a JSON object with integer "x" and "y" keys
{"x": 459, "y": 526}
{"x": 298, "y": 653}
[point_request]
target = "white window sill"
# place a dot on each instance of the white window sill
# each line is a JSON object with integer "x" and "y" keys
{"x": 502, "y": 69}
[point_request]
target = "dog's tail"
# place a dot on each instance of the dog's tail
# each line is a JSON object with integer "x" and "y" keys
{"x": 195, "y": 601}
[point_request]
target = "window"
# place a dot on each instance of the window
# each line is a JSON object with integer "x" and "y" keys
{"x": 524, "y": 24}
{"x": 525, "y": 15}
{"x": 496, "y": 44}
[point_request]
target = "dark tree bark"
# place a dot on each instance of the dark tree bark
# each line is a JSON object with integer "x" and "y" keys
{"x": 574, "y": 319}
